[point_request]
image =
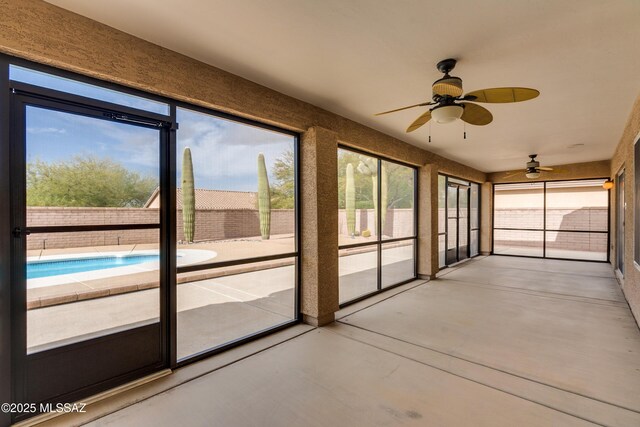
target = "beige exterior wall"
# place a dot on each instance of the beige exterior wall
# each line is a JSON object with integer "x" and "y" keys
{"x": 623, "y": 159}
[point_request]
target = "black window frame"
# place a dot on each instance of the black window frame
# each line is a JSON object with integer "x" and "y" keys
{"x": 544, "y": 228}
{"x": 462, "y": 182}
{"x": 636, "y": 203}
{"x": 168, "y": 230}
{"x": 221, "y": 264}
{"x": 379, "y": 242}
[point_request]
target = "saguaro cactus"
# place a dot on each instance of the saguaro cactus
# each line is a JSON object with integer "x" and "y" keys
{"x": 188, "y": 197}
{"x": 369, "y": 166}
{"x": 264, "y": 199}
{"x": 350, "y": 201}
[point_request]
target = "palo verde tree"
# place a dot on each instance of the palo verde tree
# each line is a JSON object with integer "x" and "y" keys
{"x": 87, "y": 181}
{"x": 283, "y": 189}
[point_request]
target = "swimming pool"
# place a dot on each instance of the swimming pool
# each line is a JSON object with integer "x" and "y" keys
{"x": 38, "y": 269}
{"x": 51, "y": 270}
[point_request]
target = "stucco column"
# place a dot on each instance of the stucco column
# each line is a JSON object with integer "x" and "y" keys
{"x": 486, "y": 218}
{"x": 319, "y": 205}
{"x": 428, "y": 222}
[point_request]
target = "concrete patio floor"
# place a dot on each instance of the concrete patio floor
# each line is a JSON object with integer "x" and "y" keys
{"x": 496, "y": 341}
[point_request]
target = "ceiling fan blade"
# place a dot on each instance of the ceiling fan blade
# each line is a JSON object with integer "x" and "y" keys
{"x": 540, "y": 168}
{"x": 475, "y": 114}
{"x": 512, "y": 174}
{"x": 404, "y": 108}
{"x": 500, "y": 95}
{"x": 561, "y": 171}
{"x": 424, "y": 118}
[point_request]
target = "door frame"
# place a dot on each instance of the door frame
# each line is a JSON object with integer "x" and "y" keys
{"x": 620, "y": 220}
{"x": 21, "y": 96}
{"x": 459, "y": 187}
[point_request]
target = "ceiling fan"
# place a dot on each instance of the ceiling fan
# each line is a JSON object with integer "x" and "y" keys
{"x": 533, "y": 169}
{"x": 447, "y": 98}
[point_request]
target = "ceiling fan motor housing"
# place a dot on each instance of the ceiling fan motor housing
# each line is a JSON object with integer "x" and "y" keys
{"x": 533, "y": 163}
{"x": 447, "y": 86}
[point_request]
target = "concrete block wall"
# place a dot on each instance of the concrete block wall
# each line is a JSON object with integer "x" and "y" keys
{"x": 593, "y": 219}
{"x": 398, "y": 222}
{"x": 210, "y": 225}
{"x": 234, "y": 224}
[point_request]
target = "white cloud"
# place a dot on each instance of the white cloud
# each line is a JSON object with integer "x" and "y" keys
{"x": 40, "y": 130}
{"x": 222, "y": 149}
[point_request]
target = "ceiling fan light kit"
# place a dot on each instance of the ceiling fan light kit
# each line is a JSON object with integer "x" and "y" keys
{"x": 447, "y": 113}
{"x": 533, "y": 174}
{"x": 447, "y": 96}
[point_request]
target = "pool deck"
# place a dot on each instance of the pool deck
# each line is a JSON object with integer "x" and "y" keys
{"x": 226, "y": 250}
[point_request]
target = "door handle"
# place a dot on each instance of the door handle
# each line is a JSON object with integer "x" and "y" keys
{"x": 21, "y": 231}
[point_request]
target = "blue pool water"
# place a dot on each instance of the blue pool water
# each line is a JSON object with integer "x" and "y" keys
{"x": 38, "y": 269}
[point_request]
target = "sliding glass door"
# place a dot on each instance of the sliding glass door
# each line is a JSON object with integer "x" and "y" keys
{"x": 145, "y": 233}
{"x": 458, "y": 220}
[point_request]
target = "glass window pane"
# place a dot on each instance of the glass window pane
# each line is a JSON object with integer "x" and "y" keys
{"x": 474, "y": 250}
{"x": 38, "y": 78}
{"x": 519, "y": 206}
{"x": 452, "y": 236}
{"x": 442, "y": 200}
{"x": 360, "y": 179}
{"x": 87, "y": 171}
{"x": 398, "y": 191}
{"x": 217, "y": 306}
{"x": 575, "y": 245}
{"x": 463, "y": 223}
{"x": 474, "y": 211}
{"x": 442, "y": 262}
{"x": 235, "y": 200}
{"x": 357, "y": 202}
{"x": 452, "y": 202}
{"x": 398, "y": 262}
{"x": 577, "y": 205}
{"x": 226, "y": 166}
{"x": 85, "y": 285}
{"x": 518, "y": 242}
{"x": 358, "y": 270}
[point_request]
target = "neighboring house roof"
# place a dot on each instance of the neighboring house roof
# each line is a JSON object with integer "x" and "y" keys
{"x": 212, "y": 200}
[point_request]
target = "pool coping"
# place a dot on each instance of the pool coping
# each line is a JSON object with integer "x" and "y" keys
{"x": 119, "y": 289}
{"x": 69, "y": 297}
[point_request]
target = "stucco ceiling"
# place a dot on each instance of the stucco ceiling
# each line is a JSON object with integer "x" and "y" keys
{"x": 359, "y": 57}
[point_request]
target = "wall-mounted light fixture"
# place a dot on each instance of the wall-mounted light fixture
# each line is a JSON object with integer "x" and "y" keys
{"x": 607, "y": 185}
